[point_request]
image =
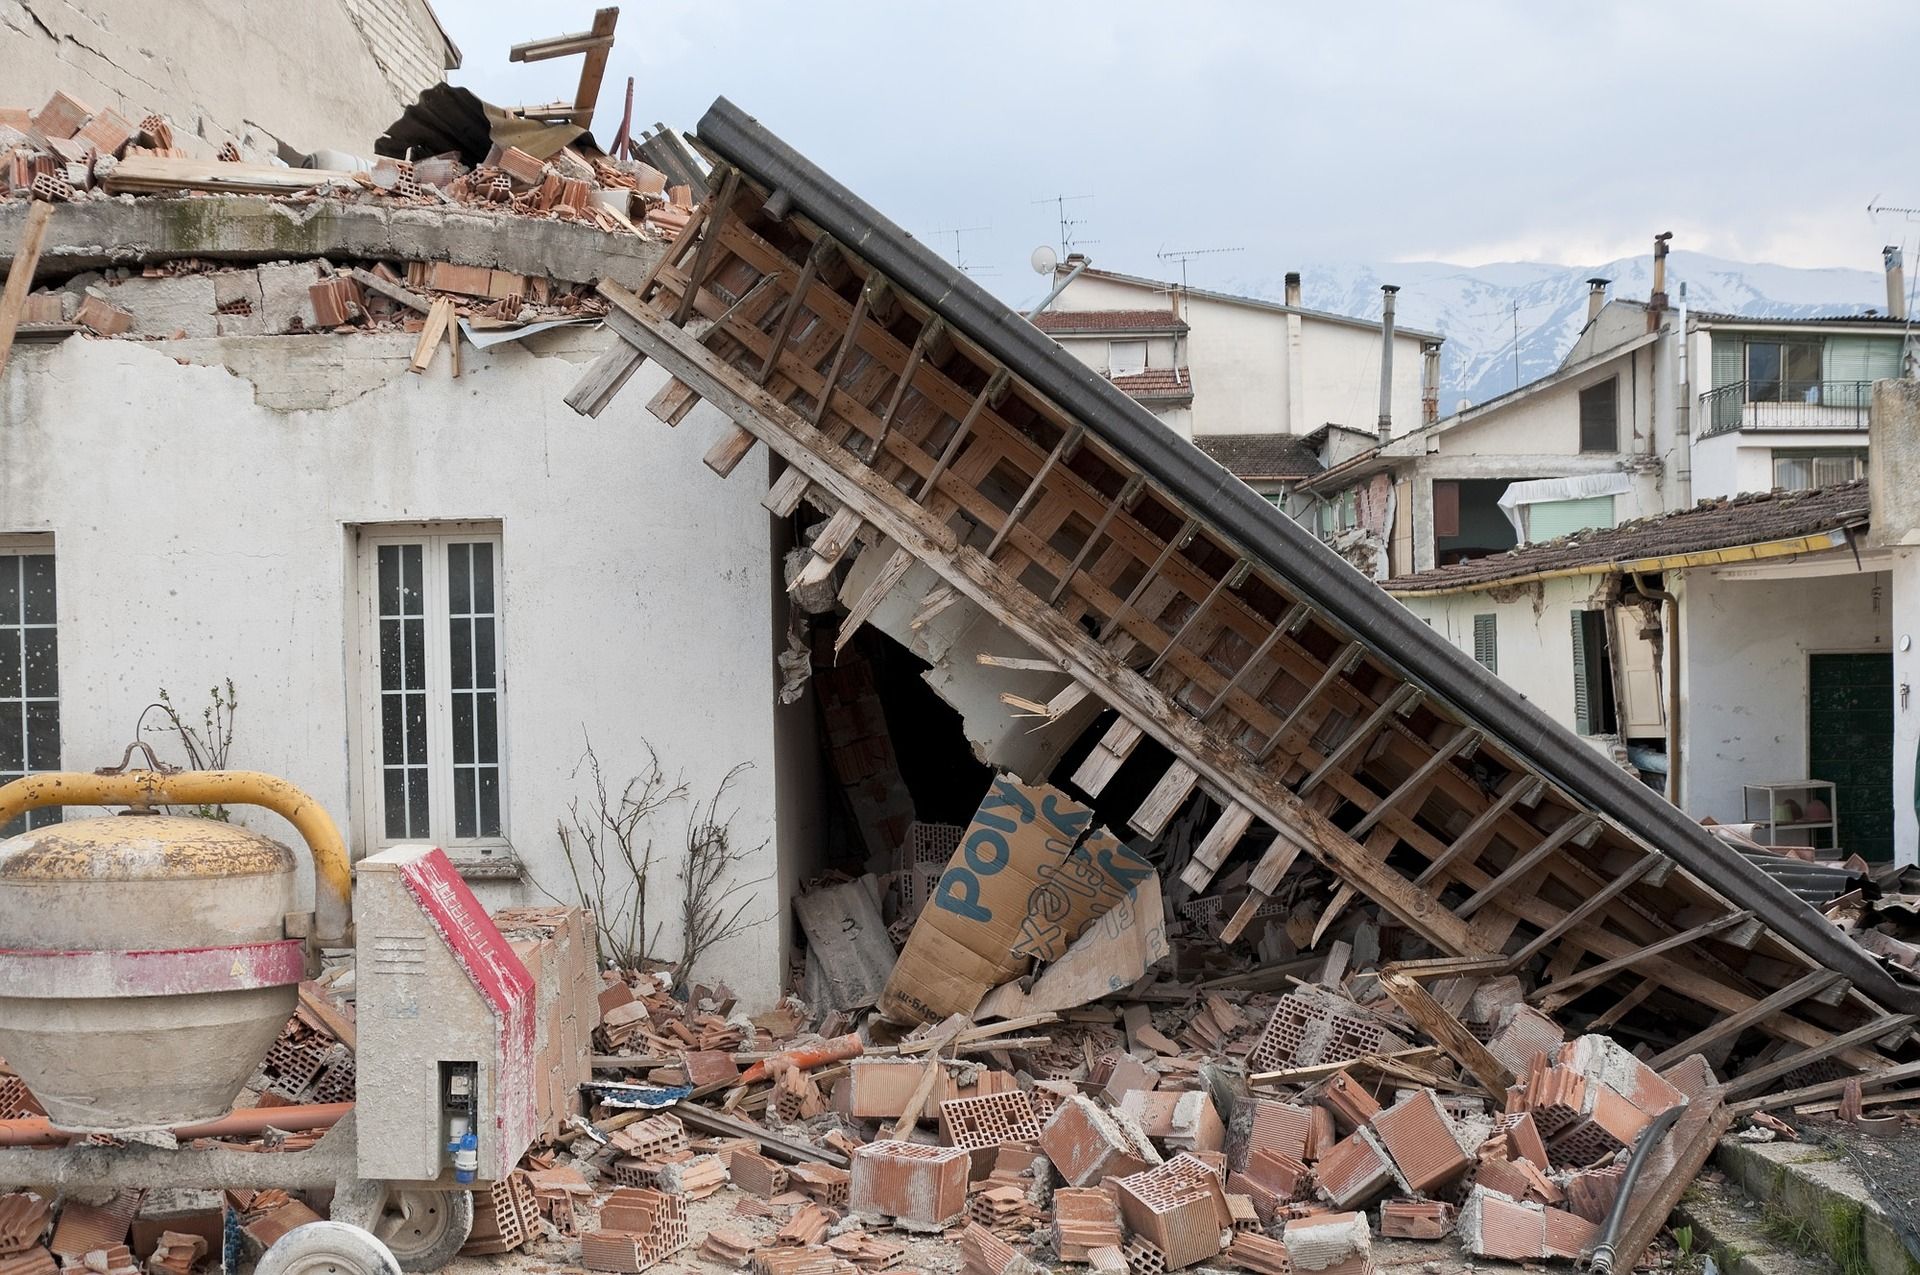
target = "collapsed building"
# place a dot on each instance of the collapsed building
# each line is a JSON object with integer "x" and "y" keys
{"x": 973, "y": 566}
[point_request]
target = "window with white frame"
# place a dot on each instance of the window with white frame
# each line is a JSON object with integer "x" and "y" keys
{"x": 1126, "y": 358}
{"x": 435, "y": 712}
{"x": 29, "y": 672}
{"x": 1807, "y": 469}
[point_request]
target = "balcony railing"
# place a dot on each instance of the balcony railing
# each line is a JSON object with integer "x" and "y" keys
{"x": 1809, "y": 405}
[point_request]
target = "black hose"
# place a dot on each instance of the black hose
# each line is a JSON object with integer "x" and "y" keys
{"x": 1603, "y": 1251}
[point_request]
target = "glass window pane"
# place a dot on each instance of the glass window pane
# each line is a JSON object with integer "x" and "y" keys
{"x": 413, "y": 596}
{"x": 483, "y": 579}
{"x": 37, "y": 592}
{"x": 1763, "y": 371}
{"x": 460, "y": 652}
{"x": 489, "y": 801}
{"x": 485, "y": 659}
{"x": 416, "y": 726}
{"x": 465, "y": 814}
{"x": 13, "y": 738}
{"x": 42, "y": 663}
{"x": 1803, "y": 372}
{"x": 413, "y": 655}
{"x": 395, "y": 794}
{"x": 43, "y": 736}
{"x": 459, "y": 571}
{"x": 9, "y": 589}
{"x": 11, "y": 683}
{"x": 393, "y": 750}
{"x": 389, "y": 579}
{"x": 417, "y": 823}
{"x": 389, "y": 655}
{"x": 463, "y": 729}
{"x": 487, "y": 727}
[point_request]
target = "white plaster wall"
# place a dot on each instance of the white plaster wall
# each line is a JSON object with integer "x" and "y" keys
{"x": 1239, "y": 358}
{"x": 1743, "y": 683}
{"x": 1535, "y": 635}
{"x": 1735, "y": 462}
{"x": 319, "y": 73}
{"x": 200, "y": 535}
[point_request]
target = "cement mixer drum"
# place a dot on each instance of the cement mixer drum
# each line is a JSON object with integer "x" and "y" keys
{"x": 144, "y": 968}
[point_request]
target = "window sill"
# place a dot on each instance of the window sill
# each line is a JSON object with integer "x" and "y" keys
{"x": 501, "y": 865}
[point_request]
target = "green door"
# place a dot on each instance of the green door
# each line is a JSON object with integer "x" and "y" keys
{"x": 1850, "y": 741}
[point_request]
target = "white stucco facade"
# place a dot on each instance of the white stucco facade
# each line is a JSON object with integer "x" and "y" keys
{"x": 1260, "y": 368}
{"x": 203, "y": 499}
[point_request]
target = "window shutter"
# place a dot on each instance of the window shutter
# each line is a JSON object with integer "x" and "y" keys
{"x": 1582, "y": 706}
{"x": 1600, "y": 417}
{"x": 1486, "y": 641}
{"x": 1446, "y": 507}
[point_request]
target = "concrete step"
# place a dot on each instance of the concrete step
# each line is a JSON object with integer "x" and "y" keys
{"x": 1731, "y": 1229}
{"x": 1813, "y": 1201}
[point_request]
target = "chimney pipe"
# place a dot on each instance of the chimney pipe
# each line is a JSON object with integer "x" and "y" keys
{"x": 1896, "y": 282}
{"x": 1429, "y": 382}
{"x": 1596, "y": 297}
{"x": 1386, "y": 360}
{"x": 1293, "y": 288}
{"x": 1658, "y": 305}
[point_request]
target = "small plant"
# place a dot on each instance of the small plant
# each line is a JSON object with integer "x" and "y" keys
{"x": 207, "y": 745}
{"x": 1683, "y": 1241}
{"x": 609, "y": 849}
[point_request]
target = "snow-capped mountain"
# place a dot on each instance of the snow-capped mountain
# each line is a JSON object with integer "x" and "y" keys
{"x": 1474, "y": 306}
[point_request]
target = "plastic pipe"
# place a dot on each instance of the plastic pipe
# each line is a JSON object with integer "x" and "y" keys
{"x": 1603, "y": 1254}
{"x": 145, "y": 789}
{"x": 37, "y": 1131}
{"x": 839, "y": 1049}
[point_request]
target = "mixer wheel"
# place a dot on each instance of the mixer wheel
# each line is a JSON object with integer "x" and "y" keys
{"x": 328, "y": 1248}
{"x": 424, "y": 1227}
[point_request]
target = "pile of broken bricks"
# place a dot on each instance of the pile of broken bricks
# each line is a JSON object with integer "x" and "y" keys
{"x": 67, "y": 151}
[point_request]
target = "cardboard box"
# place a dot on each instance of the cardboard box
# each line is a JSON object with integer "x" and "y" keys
{"x": 1030, "y": 876}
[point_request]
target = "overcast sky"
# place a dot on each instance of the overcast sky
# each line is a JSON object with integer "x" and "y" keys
{"x": 1471, "y": 132}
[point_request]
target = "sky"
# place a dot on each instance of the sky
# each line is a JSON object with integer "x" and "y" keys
{"x": 1474, "y": 132}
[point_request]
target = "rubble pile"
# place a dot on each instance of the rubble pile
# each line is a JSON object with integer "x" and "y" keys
{"x": 66, "y": 152}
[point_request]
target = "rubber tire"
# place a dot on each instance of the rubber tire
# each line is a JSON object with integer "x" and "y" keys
{"x": 437, "y": 1249}
{"x": 328, "y": 1248}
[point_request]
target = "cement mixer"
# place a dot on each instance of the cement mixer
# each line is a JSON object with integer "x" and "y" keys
{"x": 148, "y": 962}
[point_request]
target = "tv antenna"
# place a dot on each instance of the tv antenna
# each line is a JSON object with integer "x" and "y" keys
{"x": 959, "y": 257}
{"x": 1184, "y": 255}
{"x": 1068, "y": 239}
{"x": 1911, "y": 214}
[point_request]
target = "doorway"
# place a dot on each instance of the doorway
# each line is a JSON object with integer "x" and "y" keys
{"x": 1850, "y": 742}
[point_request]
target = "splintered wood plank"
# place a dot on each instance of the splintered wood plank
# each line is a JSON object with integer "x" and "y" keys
{"x": 1730, "y": 1027}
{"x": 1107, "y": 756}
{"x": 938, "y": 599}
{"x": 783, "y": 496}
{"x": 1557, "y": 993}
{"x": 1522, "y": 790}
{"x": 1756, "y": 1077}
{"x": 604, "y": 378}
{"x": 1462, "y": 743}
{"x": 1588, "y": 906}
{"x": 673, "y": 401}
{"x": 1533, "y": 858}
{"x": 26, "y": 258}
{"x": 729, "y": 449}
{"x": 1401, "y": 700}
{"x": 431, "y": 334}
{"x": 891, "y": 572}
{"x": 1448, "y": 1032}
{"x": 1151, "y": 819}
{"x": 1214, "y": 848}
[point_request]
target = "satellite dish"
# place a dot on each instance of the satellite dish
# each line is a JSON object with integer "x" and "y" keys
{"x": 1044, "y": 259}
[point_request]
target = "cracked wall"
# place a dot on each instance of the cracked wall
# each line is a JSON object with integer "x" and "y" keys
{"x": 319, "y": 73}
